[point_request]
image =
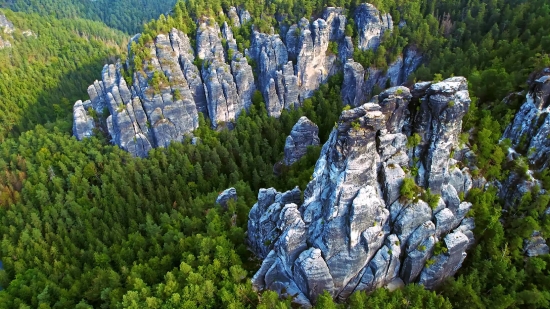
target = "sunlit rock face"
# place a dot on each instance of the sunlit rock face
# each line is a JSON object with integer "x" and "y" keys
{"x": 353, "y": 230}
{"x": 176, "y": 81}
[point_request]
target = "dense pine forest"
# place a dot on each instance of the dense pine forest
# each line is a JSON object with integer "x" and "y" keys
{"x": 86, "y": 225}
{"x": 125, "y": 15}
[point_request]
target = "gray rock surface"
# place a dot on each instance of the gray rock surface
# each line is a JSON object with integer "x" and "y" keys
{"x": 353, "y": 93}
{"x": 7, "y": 27}
{"x": 303, "y": 134}
{"x": 226, "y": 196}
{"x": 312, "y": 63}
{"x": 6, "y": 24}
{"x": 446, "y": 264}
{"x": 439, "y": 122}
{"x": 371, "y": 25}
{"x": 176, "y": 80}
{"x": 530, "y": 128}
{"x": 353, "y": 231}
{"x": 359, "y": 83}
{"x": 83, "y": 123}
{"x": 536, "y": 245}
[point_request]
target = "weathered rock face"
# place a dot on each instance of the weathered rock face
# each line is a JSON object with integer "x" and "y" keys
{"x": 536, "y": 245}
{"x": 176, "y": 81}
{"x": 531, "y": 126}
{"x": 438, "y": 122}
{"x": 353, "y": 231}
{"x": 303, "y": 134}
{"x": 529, "y": 134}
{"x": 371, "y": 25}
{"x": 226, "y": 196}
{"x": 359, "y": 83}
{"x": 312, "y": 64}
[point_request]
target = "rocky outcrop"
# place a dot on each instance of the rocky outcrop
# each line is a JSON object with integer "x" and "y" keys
{"x": 83, "y": 123}
{"x": 303, "y": 134}
{"x": 529, "y": 134}
{"x": 536, "y": 245}
{"x": 371, "y": 25}
{"x": 352, "y": 89}
{"x": 312, "y": 61}
{"x": 225, "y": 196}
{"x": 531, "y": 126}
{"x": 6, "y": 24}
{"x": 438, "y": 122}
{"x": 173, "y": 81}
{"x": 354, "y": 231}
{"x": 8, "y": 28}
{"x": 359, "y": 84}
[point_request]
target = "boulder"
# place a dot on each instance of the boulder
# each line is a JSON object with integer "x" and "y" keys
{"x": 225, "y": 196}
{"x": 303, "y": 134}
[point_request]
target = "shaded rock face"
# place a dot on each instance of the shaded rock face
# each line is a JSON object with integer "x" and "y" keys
{"x": 536, "y": 245}
{"x": 303, "y": 134}
{"x": 353, "y": 231}
{"x": 359, "y": 83}
{"x": 177, "y": 81}
{"x": 531, "y": 126}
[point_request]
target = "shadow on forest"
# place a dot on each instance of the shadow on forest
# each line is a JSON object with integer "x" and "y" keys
{"x": 54, "y": 104}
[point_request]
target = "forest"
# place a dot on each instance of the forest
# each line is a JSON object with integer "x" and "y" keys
{"x": 86, "y": 225}
{"x": 124, "y": 15}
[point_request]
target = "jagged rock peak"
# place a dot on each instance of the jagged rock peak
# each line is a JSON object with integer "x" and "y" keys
{"x": 371, "y": 25}
{"x": 354, "y": 230}
{"x": 303, "y": 134}
{"x": 530, "y": 128}
{"x": 175, "y": 81}
{"x": 225, "y": 196}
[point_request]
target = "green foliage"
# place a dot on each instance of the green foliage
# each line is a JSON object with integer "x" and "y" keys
{"x": 125, "y": 15}
{"x": 42, "y": 77}
{"x": 325, "y": 301}
{"x": 333, "y": 48}
{"x": 440, "y": 248}
{"x": 177, "y": 95}
{"x": 411, "y": 296}
{"x": 413, "y": 140}
{"x": 111, "y": 230}
{"x": 158, "y": 80}
{"x": 409, "y": 190}
{"x": 431, "y": 199}
{"x": 86, "y": 225}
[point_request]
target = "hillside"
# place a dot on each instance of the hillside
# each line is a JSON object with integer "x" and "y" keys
{"x": 125, "y": 15}
{"x": 48, "y": 66}
{"x": 290, "y": 153}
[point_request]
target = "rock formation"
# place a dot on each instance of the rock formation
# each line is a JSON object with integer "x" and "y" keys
{"x": 531, "y": 126}
{"x": 226, "y": 196}
{"x": 354, "y": 230}
{"x": 529, "y": 134}
{"x": 8, "y": 28}
{"x": 359, "y": 83}
{"x": 303, "y": 134}
{"x": 175, "y": 80}
{"x": 371, "y": 25}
